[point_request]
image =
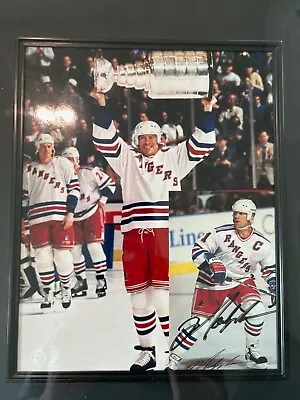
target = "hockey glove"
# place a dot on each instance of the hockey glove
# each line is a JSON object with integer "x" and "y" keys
{"x": 272, "y": 287}
{"x": 216, "y": 268}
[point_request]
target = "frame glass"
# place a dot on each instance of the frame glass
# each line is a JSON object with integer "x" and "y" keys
{"x": 45, "y": 108}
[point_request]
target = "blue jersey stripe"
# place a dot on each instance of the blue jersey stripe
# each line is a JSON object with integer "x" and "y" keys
{"x": 146, "y": 204}
{"x": 260, "y": 235}
{"x": 47, "y": 203}
{"x": 144, "y": 218}
{"x": 112, "y": 141}
{"x": 111, "y": 155}
{"x": 42, "y": 215}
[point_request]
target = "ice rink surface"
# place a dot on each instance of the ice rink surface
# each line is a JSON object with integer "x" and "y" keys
{"x": 99, "y": 334}
{"x": 94, "y": 334}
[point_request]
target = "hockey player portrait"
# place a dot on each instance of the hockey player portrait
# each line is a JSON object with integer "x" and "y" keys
{"x": 148, "y": 172}
{"x": 227, "y": 259}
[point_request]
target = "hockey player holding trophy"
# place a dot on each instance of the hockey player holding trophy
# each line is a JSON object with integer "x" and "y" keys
{"x": 148, "y": 172}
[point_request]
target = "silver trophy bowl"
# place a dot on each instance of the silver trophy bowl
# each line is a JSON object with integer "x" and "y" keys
{"x": 163, "y": 74}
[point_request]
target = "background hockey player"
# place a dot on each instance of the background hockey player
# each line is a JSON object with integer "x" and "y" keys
{"x": 148, "y": 172}
{"x": 226, "y": 258}
{"x": 29, "y": 277}
{"x": 89, "y": 218}
{"x": 50, "y": 195}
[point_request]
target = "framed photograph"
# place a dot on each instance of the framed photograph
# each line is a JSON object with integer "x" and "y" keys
{"x": 93, "y": 263}
{"x": 210, "y": 369}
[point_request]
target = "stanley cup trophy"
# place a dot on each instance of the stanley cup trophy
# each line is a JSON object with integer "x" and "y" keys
{"x": 163, "y": 74}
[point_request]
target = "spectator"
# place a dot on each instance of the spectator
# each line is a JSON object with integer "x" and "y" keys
{"x": 268, "y": 64}
{"x": 66, "y": 72}
{"x": 164, "y": 118}
{"x": 218, "y": 202}
{"x": 87, "y": 81}
{"x": 264, "y": 162}
{"x": 259, "y": 111}
{"x": 39, "y": 61}
{"x": 255, "y": 80}
{"x": 84, "y": 143}
{"x": 264, "y": 199}
{"x": 71, "y": 98}
{"x": 143, "y": 117}
{"x": 30, "y": 137}
{"x": 115, "y": 63}
{"x": 268, "y": 86}
{"x": 223, "y": 162}
{"x": 173, "y": 129}
{"x": 230, "y": 79}
{"x": 47, "y": 95}
{"x": 218, "y": 95}
{"x": 231, "y": 116}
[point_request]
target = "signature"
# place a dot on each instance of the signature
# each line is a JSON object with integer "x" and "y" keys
{"x": 233, "y": 317}
{"x": 213, "y": 362}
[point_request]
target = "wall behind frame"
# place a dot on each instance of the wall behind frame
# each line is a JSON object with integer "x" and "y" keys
{"x": 193, "y": 20}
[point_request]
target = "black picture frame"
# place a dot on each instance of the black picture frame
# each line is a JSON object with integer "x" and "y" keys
{"x": 267, "y": 29}
{"x": 17, "y": 339}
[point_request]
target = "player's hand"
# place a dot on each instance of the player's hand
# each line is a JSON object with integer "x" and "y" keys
{"x": 99, "y": 96}
{"x": 218, "y": 270}
{"x": 208, "y": 104}
{"x": 272, "y": 288}
{"x": 68, "y": 220}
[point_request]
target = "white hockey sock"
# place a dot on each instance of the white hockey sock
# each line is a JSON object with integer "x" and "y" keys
{"x": 189, "y": 333}
{"x": 253, "y": 326}
{"x": 160, "y": 300}
{"x": 64, "y": 264}
{"x": 144, "y": 317}
{"x": 98, "y": 257}
{"x": 44, "y": 266}
{"x": 79, "y": 261}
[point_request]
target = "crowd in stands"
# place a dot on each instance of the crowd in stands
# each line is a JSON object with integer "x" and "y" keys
{"x": 192, "y": 202}
{"x": 57, "y": 85}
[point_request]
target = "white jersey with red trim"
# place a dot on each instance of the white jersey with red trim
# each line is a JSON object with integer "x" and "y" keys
{"x": 46, "y": 188}
{"x": 146, "y": 181}
{"x": 95, "y": 187}
{"x": 240, "y": 256}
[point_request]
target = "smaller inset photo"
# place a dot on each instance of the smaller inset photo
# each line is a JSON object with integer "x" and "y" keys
{"x": 224, "y": 302}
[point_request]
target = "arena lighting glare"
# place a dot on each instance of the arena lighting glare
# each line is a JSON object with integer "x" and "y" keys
{"x": 61, "y": 116}
{"x": 44, "y": 114}
{"x": 65, "y": 115}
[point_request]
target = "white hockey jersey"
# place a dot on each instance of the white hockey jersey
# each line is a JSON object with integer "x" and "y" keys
{"x": 46, "y": 188}
{"x": 240, "y": 256}
{"x": 95, "y": 186}
{"x": 146, "y": 181}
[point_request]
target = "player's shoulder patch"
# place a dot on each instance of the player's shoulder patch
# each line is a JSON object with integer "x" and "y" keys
{"x": 226, "y": 227}
{"x": 257, "y": 233}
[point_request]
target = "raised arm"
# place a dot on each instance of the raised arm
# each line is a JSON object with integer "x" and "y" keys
{"x": 201, "y": 143}
{"x": 105, "y": 137}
